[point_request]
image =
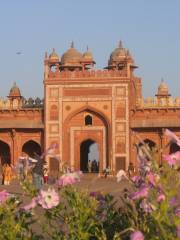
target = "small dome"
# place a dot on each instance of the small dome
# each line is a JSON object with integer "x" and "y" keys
{"x": 163, "y": 88}
{"x": 54, "y": 55}
{"x": 15, "y": 91}
{"x": 71, "y": 57}
{"x": 87, "y": 56}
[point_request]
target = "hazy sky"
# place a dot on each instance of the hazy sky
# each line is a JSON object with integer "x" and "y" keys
{"x": 150, "y": 29}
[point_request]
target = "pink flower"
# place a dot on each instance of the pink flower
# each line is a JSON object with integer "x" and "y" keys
{"x": 177, "y": 212}
{"x": 171, "y": 161}
{"x": 137, "y": 235}
{"x": 172, "y": 136}
{"x": 172, "y": 158}
{"x": 4, "y": 195}
{"x": 50, "y": 151}
{"x": 141, "y": 193}
{"x": 161, "y": 197}
{"x": 48, "y": 199}
{"x": 137, "y": 180}
{"x": 68, "y": 179}
{"x": 31, "y": 205}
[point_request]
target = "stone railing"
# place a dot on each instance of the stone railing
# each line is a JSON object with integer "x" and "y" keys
{"x": 158, "y": 103}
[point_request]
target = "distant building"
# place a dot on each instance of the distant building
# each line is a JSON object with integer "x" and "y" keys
{"x": 83, "y": 106}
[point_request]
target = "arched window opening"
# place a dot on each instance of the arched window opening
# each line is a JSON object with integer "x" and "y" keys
{"x": 53, "y": 68}
{"x": 31, "y": 148}
{"x": 5, "y": 156}
{"x": 88, "y": 120}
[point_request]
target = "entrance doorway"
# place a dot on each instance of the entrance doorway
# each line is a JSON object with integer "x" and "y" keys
{"x": 5, "y": 156}
{"x": 89, "y": 156}
{"x": 31, "y": 147}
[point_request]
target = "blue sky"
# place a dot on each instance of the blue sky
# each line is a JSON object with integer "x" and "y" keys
{"x": 149, "y": 29}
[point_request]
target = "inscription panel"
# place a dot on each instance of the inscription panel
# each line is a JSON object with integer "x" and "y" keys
{"x": 86, "y": 92}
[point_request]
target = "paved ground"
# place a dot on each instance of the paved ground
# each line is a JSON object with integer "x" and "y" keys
{"x": 91, "y": 182}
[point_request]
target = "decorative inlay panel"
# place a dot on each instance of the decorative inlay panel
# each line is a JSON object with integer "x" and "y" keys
{"x": 54, "y": 128}
{"x": 121, "y": 144}
{"x": 121, "y": 109}
{"x": 120, "y": 127}
{"x": 121, "y": 91}
{"x": 54, "y": 92}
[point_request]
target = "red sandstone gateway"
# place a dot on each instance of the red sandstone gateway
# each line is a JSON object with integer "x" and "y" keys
{"x": 84, "y": 109}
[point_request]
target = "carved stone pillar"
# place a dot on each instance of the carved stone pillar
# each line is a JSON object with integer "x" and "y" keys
{"x": 162, "y": 144}
{"x": 13, "y": 151}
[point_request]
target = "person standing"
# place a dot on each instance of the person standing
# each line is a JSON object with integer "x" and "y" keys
{"x": 89, "y": 166}
{"x": 7, "y": 174}
{"x": 131, "y": 169}
{"x": 45, "y": 175}
{"x": 106, "y": 171}
{"x": 37, "y": 171}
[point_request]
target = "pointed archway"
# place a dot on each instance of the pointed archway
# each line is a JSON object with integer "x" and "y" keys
{"x": 89, "y": 153}
{"x": 5, "y": 156}
{"x": 31, "y": 147}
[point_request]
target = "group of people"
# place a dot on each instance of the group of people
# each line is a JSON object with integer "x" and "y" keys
{"x": 33, "y": 169}
{"x": 93, "y": 166}
{"x": 36, "y": 171}
{"x": 27, "y": 168}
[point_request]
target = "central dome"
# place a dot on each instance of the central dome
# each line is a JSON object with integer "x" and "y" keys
{"x": 71, "y": 57}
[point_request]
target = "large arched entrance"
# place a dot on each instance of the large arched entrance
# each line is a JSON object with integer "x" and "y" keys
{"x": 89, "y": 156}
{"x": 31, "y": 147}
{"x": 5, "y": 156}
{"x": 80, "y": 127}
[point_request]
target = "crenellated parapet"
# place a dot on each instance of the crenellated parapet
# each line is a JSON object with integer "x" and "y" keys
{"x": 151, "y": 102}
{"x": 15, "y": 104}
{"x": 92, "y": 74}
